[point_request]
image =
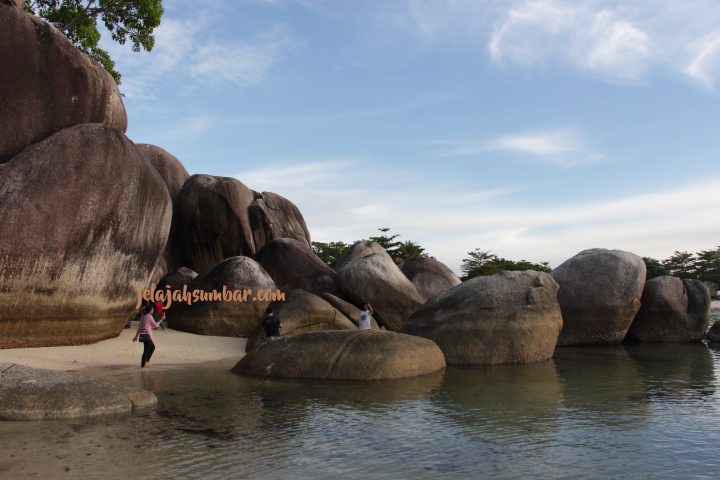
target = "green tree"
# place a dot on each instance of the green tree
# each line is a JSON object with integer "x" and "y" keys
{"x": 482, "y": 263}
{"x": 330, "y": 252}
{"x": 133, "y": 20}
{"x": 388, "y": 242}
{"x": 681, "y": 264}
{"x": 654, "y": 268}
{"x": 408, "y": 250}
{"x": 707, "y": 265}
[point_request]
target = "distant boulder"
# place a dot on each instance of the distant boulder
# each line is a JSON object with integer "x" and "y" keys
{"x": 599, "y": 295}
{"x": 220, "y": 217}
{"x": 672, "y": 310}
{"x": 229, "y": 315}
{"x": 507, "y": 318}
{"x": 344, "y": 355}
{"x": 84, "y": 220}
{"x": 301, "y": 312}
{"x": 375, "y": 279}
{"x": 348, "y": 309}
{"x": 48, "y": 84}
{"x": 177, "y": 280}
{"x": 361, "y": 249}
{"x": 273, "y": 216}
{"x": 294, "y": 266}
{"x": 37, "y": 394}
{"x": 429, "y": 275}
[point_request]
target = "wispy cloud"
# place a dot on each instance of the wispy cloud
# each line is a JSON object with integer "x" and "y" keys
{"x": 342, "y": 200}
{"x": 184, "y": 54}
{"x": 560, "y": 147}
{"x": 705, "y": 63}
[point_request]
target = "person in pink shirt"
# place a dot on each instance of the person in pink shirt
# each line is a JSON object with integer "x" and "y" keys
{"x": 144, "y": 333}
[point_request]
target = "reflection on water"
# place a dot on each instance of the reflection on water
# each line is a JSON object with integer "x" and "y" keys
{"x": 592, "y": 412}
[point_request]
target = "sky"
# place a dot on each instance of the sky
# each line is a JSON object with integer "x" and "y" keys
{"x": 530, "y": 128}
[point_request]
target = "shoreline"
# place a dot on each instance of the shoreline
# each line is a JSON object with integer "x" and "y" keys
{"x": 173, "y": 349}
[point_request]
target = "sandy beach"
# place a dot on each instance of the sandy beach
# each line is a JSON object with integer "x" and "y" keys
{"x": 173, "y": 348}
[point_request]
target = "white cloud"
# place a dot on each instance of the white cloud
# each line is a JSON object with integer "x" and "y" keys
{"x": 344, "y": 201}
{"x": 617, "y": 40}
{"x": 597, "y": 40}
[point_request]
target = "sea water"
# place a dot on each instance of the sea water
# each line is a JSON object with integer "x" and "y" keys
{"x": 647, "y": 411}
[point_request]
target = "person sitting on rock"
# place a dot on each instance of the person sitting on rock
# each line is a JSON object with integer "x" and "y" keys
{"x": 271, "y": 324}
{"x": 365, "y": 314}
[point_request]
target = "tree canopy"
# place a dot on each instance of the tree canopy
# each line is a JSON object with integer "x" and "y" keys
{"x": 482, "y": 263}
{"x": 133, "y": 20}
{"x": 703, "y": 265}
{"x": 399, "y": 251}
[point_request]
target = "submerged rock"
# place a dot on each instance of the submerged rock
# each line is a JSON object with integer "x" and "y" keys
{"x": 599, "y": 295}
{"x": 84, "y": 220}
{"x": 301, "y": 312}
{"x": 510, "y": 317}
{"x": 344, "y": 355}
{"x": 48, "y": 84}
{"x": 38, "y": 394}
{"x": 672, "y": 310}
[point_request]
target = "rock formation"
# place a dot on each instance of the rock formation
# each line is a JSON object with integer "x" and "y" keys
{"x": 375, "y": 279}
{"x": 85, "y": 219}
{"x": 599, "y": 295}
{"x": 302, "y": 312}
{"x": 348, "y": 309}
{"x": 38, "y": 394}
{"x": 507, "y": 318}
{"x": 47, "y": 84}
{"x": 219, "y": 217}
{"x": 672, "y": 310}
{"x": 429, "y": 275}
{"x": 344, "y": 355}
{"x": 227, "y": 316}
{"x": 294, "y": 266}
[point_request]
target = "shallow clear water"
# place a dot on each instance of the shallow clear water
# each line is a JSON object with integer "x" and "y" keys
{"x": 592, "y": 412}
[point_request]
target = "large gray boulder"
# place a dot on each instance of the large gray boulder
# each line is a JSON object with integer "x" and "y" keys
{"x": 294, "y": 266}
{"x": 599, "y": 295}
{"x": 344, "y": 355}
{"x": 672, "y": 310}
{"x": 38, "y": 394}
{"x": 84, "y": 220}
{"x": 429, "y": 275}
{"x": 232, "y": 314}
{"x": 174, "y": 175}
{"x": 301, "y": 312}
{"x": 348, "y": 309}
{"x": 358, "y": 250}
{"x": 220, "y": 217}
{"x": 47, "y": 84}
{"x": 507, "y": 318}
{"x": 375, "y": 279}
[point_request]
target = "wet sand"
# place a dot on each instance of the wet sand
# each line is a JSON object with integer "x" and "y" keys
{"x": 172, "y": 348}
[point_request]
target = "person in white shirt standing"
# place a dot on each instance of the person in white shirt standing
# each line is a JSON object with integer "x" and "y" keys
{"x": 365, "y": 314}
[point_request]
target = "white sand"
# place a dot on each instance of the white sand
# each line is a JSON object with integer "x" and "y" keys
{"x": 172, "y": 348}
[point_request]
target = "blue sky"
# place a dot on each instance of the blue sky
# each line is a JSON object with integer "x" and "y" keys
{"x": 531, "y": 128}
